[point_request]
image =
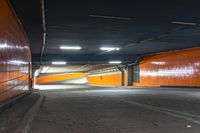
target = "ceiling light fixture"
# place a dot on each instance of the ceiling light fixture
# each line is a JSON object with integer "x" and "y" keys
{"x": 58, "y": 63}
{"x": 70, "y": 47}
{"x": 115, "y": 62}
{"x": 184, "y": 23}
{"x": 109, "y": 48}
{"x": 109, "y": 17}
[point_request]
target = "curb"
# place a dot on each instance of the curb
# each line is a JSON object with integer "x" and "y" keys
{"x": 13, "y": 100}
{"x": 29, "y": 116}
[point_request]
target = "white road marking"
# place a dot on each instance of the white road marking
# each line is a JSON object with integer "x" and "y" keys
{"x": 178, "y": 114}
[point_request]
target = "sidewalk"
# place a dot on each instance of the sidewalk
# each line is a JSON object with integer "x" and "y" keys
{"x": 12, "y": 116}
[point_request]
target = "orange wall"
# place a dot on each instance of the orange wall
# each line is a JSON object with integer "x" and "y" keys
{"x": 107, "y": 79}
{"x": 177, "y": 68}
{"x": 51, "y": 78}
{"x": 15, "y": 54}
{"x": 125, "y": 79}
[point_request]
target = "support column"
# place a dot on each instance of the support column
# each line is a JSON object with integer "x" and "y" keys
{"x": 130, "y": 75}
{"x": 122, "y": 75}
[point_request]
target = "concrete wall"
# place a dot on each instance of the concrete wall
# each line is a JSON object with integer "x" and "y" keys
{"x": 15, "y": 54}
{"x": 176, "y": 68}
{"x": 107, "y": 79}
{"x": 73, "y": 78}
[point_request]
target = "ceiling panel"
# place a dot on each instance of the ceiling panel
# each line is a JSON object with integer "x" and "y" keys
{"x": 138, "y": 27}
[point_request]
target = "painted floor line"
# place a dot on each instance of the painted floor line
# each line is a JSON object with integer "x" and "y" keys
{"x": 174, "y": 113}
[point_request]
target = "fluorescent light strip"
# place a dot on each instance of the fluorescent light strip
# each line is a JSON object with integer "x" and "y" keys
{"x": 115, "y": 62}
{"x": 70, "y": 47}
{"x": 109, "y": 48}
{"x": 184, "y": 23}
{"x": 58, "y": 63}
{"x": 109, "y": 17}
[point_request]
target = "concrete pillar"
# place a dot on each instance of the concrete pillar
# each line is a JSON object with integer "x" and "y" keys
{"x": 130, "y": 75}
{"x": 122, "y": 75}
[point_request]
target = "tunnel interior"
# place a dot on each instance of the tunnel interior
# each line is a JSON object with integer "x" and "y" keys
{"x": 132, "y": 43}
{"x": 99, "y": 66}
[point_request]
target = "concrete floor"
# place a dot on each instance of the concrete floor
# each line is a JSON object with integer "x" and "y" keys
{"x": 83, "y": 109}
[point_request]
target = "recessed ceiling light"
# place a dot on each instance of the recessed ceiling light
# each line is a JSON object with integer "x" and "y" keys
{"x": 58, "y": 63}
{"x": 70, "y": 47}
{"x": 109, "y": 48}
{"x": 115, "y": 62}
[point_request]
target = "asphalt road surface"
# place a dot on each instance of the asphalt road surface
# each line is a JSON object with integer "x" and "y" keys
{"x": 86, "y": 109}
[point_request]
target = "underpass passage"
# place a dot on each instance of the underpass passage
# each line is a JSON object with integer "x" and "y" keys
{"x": 99, "y": 66}
{"x": 90, "y": 109}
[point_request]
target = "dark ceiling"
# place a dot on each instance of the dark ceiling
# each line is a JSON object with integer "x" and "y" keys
{"x": 138, "y": 27}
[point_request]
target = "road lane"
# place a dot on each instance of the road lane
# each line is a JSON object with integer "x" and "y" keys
{"x": 118, "y": 110}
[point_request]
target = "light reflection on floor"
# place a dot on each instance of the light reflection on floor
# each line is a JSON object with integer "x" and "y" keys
{"x": 86, "y": 89}
{"x": 58, "y": 87}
